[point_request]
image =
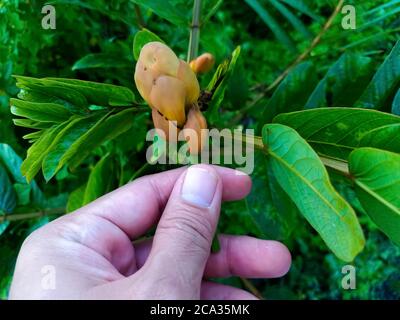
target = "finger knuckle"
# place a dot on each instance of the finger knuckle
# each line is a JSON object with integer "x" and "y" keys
{"x": 194, "y": 228}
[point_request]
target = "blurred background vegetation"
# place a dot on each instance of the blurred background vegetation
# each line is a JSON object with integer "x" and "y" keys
{"x": 93, "y": 41}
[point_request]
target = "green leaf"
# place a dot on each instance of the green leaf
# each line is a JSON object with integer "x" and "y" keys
{"x": 12, "y": 162}
{"x": 344, "y": 82}
{"x": 23, "y": 192}
{"x": 75, "y": 199}
{"x": 3, "y": 226}
{"x": 292, "y": 18}
{"x": 45, "y": 112}
{"x": 8, "y": 199}
{"x": 370, "y": 22}
{"x": 174, "y": 11}
{"x": 384, "y": 83}
{"x": 114, "y": 9}
{"x": 39, "y": 90}
{"x": 33, "y": 136}
{"x": 100, "y": 181}
{"x": 141, "y": 38}
{"x": 272, "y": 24}
{"x": 292, "y": 93}
{"x": 99, "y": 93}
{"x": 377, "y": 179}
{"x": 95, "y": 93}
{"x": 101, "y": 60}
{"x": 380, "y": 8}
{"x": 345, "y": 187}
{"x": 63, "y": 141}
{"x": 386, "y": 138}
{"x": 38, "y": 151}
{"x": 76, "y": 102}
{"x": 396, "y": 104}
{"x": 336, "y": 132}
{"x": 237, "y": 90}
{"x": 28, "y": 123}
{"x": 211, "y": 8}
{"x": 107, "y": 128}
{"x": 272, "y": 210}
{"x": 302, "y": 7}
{"x": 219, "y": 84}
{"x": 300, "y": 172}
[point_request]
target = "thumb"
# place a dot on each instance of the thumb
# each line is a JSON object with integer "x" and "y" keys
{"x": 184, "y": 234}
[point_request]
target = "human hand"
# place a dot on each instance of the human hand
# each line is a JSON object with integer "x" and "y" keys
{"x": 93, "y": 256}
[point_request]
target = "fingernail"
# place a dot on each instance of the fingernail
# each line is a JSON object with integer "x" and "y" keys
{"x": 199, "y": 186}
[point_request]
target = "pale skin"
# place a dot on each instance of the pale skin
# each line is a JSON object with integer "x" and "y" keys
{"x": 94, "y": 257}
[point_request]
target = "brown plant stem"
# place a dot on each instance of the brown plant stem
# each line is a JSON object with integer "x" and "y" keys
{"x": 139, "y": 16}
{"x": 310, "y": 48}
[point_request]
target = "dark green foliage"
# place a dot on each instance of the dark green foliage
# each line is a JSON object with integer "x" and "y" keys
{"x": 321, "y": 173}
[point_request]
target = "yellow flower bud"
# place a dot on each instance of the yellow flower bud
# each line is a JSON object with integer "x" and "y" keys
{"x": 203, "y": 63}
{"x": 144, "y": 80}
{"x": 160, "y": 59}
{"x": 161, "y": 123}
{"x": 168, "y": 97}
{"x": 191, "y": 84}
{"x": 168, "y": 85}
{"x": 193, "y": 133}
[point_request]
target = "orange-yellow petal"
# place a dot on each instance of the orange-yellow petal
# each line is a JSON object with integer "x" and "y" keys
{"x": 168, "y": 97}
{"x": 144, "y": 80}
{"x": 159, "y": 58}
{"x": 191, "y": 84}
{"x": 194, "y": 132}
{"x": 164, "y": 125}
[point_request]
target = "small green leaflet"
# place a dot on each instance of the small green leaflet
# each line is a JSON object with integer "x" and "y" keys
{"x": 95, "y": 93}
{"x": 219, "y": 83}
{"x": 174, "y": 11}
{"x": 384, "y": 83}
{"x": 102, "y": 60}
{"x": 101, "y": 180}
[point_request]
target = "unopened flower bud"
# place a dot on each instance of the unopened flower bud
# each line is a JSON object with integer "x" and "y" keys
{"x": 203, "y": 63}
{"x": 168, "y": 84}
{"x": 160, "y": 59}
{"x": 194, "y": 132}
{"x": 168, "y": 128}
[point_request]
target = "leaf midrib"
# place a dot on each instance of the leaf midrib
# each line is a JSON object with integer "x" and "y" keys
{"x": 376, "y": 195}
